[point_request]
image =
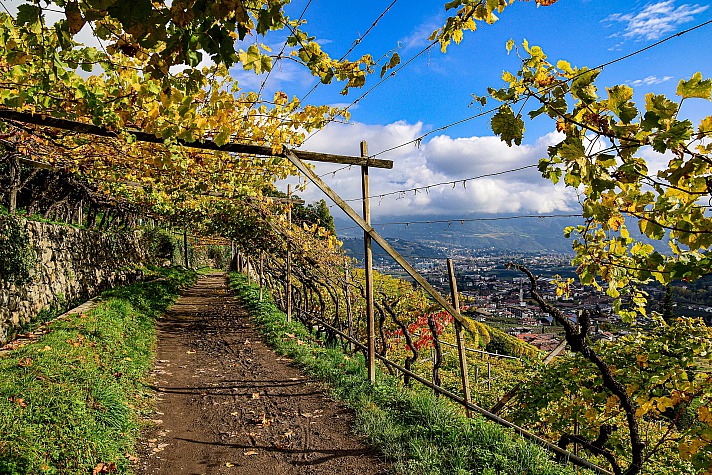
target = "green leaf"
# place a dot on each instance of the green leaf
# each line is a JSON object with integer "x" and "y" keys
{"x": 571, "y": 149}
{"x": 509, "y": 127}
{"x": 606, "y": 160}
{"x": 677, "y": 133}
{"x": 394, "y": 61}
{"x": 250, "y": 59}
{"x": 582, "y": 86}
{"x": 27, "y": 13}
{"x": 651, "y": 229}
{"x": 619, "y": 103}
{"x": 661, "y": 106}
{"x": 695, "y": 87}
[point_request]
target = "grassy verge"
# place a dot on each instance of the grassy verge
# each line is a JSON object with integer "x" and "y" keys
{"x": 420, "y": 433}
{"x": 72, "y": 400}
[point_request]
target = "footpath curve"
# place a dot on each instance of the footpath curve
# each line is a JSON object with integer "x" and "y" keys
{"x": 227, "y": 404}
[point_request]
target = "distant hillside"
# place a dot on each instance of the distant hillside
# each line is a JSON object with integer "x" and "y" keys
{"x": 408, "y": 249}
{"x": 523, "y": 234}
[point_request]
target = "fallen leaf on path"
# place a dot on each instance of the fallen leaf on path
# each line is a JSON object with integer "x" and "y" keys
{"x": 234, "y": 413}
{"x": 190, "y": 352}
{"x": 250, "y": 452}
{"x": 25, "y": 362}
{"x": 18, "y": 400}
{"x": 131, "y": 458}
{"x": 102, "y": 467}
{"x": 228, "y": 464}
{"x": 255, "y": 395}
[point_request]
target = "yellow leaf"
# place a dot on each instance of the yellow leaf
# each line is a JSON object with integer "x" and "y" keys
{"x": 663, "y": 403}
{"x": 705, "y": 415}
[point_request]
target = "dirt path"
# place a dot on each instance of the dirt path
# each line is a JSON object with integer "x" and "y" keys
{"x": 227, "y": 404}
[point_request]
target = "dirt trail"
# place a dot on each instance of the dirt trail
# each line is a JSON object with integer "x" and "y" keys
{"x": 227, "y": 404}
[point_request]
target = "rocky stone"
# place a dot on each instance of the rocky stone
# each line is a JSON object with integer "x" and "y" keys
{"x": 73, "y": 265}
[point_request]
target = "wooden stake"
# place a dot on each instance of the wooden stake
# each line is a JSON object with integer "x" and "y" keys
{"x": 289, "y": 258}
{"x": 262, "y": 273}
{"x": 368, "y": 264}
{"x": 489, "y": 375}
{"x": 349, "y": 316}
{"x": 247, "y": 270}
{"x": 460, "y": 337}
{"x": 185, "y": 248}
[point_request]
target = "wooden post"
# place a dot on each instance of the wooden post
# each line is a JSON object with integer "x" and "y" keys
{"x": 262, "y": 273}
{"x": 461, "y": 352}
{"x": 289, "y": 256}
{"x": 247, "y": 270}
{"x": 349, "y": 316}
{"x": 489, "y": 375}
{"x": 368, "y": 264}
{"x": 185, "y": 248}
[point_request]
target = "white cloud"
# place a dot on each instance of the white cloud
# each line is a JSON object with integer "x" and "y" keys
{"x": 649, "y": 81}
{"x": 418, "y": 37}
{"x": 442, "y": 159}
{"x": 655, "y": 20}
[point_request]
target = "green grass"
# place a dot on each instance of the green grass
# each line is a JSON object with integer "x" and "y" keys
{"x": 417, "y": 432}
{"x": 74, "y": 398}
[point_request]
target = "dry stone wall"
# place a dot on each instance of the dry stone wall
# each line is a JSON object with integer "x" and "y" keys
{"x": 72, "y": 265}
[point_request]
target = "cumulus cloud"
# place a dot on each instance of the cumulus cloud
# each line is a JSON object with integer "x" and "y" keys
{"x": 655, "y": 20}
{"x": 649, "y": 81}
{"x": 442, "y": 159}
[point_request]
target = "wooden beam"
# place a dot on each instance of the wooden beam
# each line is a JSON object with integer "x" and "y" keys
{"x": 91, "y": 129}
{"x": 378, "y": 238}
{"x": 461, "y": 351}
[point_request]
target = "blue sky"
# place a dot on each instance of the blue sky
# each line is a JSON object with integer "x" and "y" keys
{"x": 435, "y": 90}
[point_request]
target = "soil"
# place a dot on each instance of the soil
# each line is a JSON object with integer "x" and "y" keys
{"x": 227, "y": 404}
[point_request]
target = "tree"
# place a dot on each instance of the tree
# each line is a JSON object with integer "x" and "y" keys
{"x": 600, "y": 156}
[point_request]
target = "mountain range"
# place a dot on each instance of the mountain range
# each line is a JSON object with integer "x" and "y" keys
{"x": 429, "y": 236}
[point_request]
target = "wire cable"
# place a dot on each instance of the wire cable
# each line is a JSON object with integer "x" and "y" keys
{"x": 453, "y": 183}
{"x": 468, "y": 220}
{"x": 355, "y": 44}
{"x": 279, "y": 55}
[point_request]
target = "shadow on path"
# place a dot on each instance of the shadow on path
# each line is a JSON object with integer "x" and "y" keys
{"x": 227, "y": 404}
